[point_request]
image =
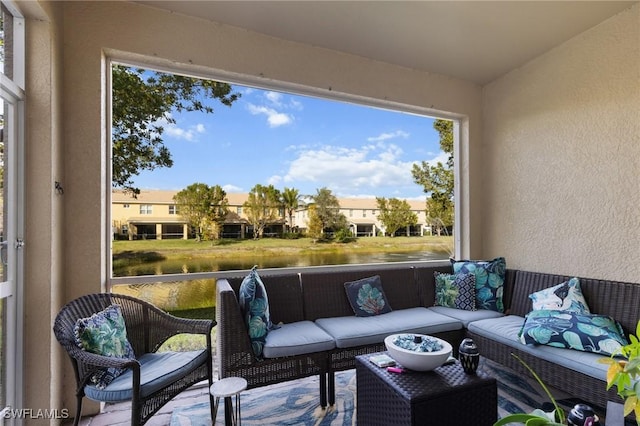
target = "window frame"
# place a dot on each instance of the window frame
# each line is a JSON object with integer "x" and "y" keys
{"x": 461, "y": 227}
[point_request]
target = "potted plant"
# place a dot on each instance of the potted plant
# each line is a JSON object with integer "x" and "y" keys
{"x": 537, "y": 417}
{"x": 624, "y": 372}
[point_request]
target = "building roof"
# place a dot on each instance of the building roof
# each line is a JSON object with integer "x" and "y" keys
{"x": 237, "y": 199}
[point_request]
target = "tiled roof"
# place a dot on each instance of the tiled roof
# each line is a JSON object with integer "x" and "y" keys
{"x": 237, "y": 199}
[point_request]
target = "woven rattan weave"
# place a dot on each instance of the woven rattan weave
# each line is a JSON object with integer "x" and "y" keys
{"x": 147, "y": 328}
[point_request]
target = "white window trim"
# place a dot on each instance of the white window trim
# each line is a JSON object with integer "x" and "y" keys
{"x": 461, "y": 227}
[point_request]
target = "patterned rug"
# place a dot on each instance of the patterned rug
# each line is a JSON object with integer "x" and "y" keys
{"x": 296, "y": 402}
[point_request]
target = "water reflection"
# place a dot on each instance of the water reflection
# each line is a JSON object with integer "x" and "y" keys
{"x": 281, "y": 261}
{"x": 196, "y": 298}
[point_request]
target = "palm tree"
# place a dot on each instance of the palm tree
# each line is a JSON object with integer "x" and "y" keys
{"x": 291, "y": 200}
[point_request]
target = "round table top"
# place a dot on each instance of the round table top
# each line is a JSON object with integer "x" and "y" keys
{"x": 228, "y": 386}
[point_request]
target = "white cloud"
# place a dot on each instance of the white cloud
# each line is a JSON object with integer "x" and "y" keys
{"x": 231, "y": 188}
{"x": 274, "y": 118}
{"x": 386, "y": 136}
{"x": 352, "y": 170}
{"x": 274, "y": 180}
{"x": 441, "y": 157}
{"x": 174, "y": 130}
{"x": 188, "y": 134}
{"x": 274, "y": 97}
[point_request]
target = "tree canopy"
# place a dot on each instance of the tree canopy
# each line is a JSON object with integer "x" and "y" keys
{"x": 438, "y": 181}
{"x": 141, "y": 102}
{"x": 204, "y": 208}
{"x": 395, "y": 214}
{"x": 262, "y": 208}
{"x": 327, "y": 210}
{"x": 291, "y": 200}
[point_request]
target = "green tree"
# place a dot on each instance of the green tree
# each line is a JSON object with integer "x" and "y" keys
{"x": 141, "y": 101}
{"x": 262, "y": 208}
{"x": 291, "y": 200}
{"x": 314, "y": 224}
{"x": 438, "y": 181}
{"x": 395, "y": 214}
{"x": 204, "y": 208}
{"x": 327, "y": 208}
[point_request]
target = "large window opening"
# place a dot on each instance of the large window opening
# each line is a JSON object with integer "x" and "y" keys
{"x": 227, "y": 176}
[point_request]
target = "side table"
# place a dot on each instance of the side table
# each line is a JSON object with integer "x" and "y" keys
{"x": 446, "y": 396}
{"x": 227, "y": 388}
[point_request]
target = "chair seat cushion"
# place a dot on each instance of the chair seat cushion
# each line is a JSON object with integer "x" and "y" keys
{"x": 297, "y": 338}
{"x": 157, "y": 370}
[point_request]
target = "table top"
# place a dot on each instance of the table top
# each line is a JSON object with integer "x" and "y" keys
{"x": 417, "y": 385}
{"x": 228, "y": 386}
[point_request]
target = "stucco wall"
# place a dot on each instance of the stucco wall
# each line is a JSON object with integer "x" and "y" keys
{"x": 561, "y": 152}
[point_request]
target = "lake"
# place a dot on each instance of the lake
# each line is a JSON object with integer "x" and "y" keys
{"x": 196, "y": 298}
{"x": 263, "y": 262}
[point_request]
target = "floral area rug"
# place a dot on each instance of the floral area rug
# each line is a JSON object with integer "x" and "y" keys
{"x": 296, "y": 402}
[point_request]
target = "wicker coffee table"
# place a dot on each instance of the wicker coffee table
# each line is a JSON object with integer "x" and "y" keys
{"x": 446, "y": 396}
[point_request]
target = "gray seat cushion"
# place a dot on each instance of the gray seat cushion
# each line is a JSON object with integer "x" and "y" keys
{"x": 297, "y": 338}
{"x": 157, "y": 370}
{"x": 356, "y": 331}
{"x": 505, "y": 330}
{"x": 466, "y": 316}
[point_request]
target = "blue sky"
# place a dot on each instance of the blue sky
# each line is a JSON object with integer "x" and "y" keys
{"x": 300, "y": 142}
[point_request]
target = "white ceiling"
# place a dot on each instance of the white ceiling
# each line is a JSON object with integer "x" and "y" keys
{"x": 472, "y": 40}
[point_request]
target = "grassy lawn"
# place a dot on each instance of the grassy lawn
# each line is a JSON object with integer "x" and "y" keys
{"x": 186, "y": 249}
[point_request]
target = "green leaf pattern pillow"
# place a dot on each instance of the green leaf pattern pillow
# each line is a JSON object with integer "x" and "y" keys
{"x": 104, "y": 333}
{"x": 254, "y": 305}
{"x": 366, "y": 297}
{"x": 455, "y": 291}
{"x": 566, "y": 296}
{"x": 573, "y": 330}
{"x": 489, "y": 281}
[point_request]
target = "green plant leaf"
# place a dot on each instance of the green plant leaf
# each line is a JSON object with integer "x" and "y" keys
{"x": 515, "y": 418}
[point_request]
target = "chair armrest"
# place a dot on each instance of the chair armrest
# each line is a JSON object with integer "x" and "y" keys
{"x": 233, "y": 342}
{"x": 90, "y": 359}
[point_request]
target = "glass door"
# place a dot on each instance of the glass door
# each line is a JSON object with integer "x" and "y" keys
{"x": 11, "y": 213}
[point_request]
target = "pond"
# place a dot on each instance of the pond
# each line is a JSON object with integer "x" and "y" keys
{"x": 196, "y": 298}
{"x": 263, "y": 262}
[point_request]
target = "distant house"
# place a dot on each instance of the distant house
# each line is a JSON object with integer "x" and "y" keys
{"x": 153, "y": 214}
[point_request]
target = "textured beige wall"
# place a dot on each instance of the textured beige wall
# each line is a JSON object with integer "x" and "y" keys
{"x": 43, "y": 252}
{"x": 561, "y": 169}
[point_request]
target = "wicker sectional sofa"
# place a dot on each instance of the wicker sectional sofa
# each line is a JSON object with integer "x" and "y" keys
{"x": 320, "y": 335}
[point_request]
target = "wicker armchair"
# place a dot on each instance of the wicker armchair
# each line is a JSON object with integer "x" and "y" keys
{"x": 151, "y": 379}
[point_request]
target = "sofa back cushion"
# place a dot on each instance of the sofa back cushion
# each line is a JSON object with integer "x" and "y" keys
{"x": 619, "y": 300}
{"x": 285, "y": 296}
{"x": 325, "y": 296}
{"x": 426, "y": 282}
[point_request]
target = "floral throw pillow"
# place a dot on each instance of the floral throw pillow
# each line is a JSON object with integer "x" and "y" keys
{"x": 574, "y": 330}
{"x": 254, "y": 305}
{"x": 104, "y": 333}
{"x": 566, "y": 296}
{"x": 367, "y": 297}
{"x": 489, "y": 280}
{"x": 456, "y": 291}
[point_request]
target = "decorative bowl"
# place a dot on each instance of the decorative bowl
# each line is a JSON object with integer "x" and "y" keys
{"x": 417, "y": 360}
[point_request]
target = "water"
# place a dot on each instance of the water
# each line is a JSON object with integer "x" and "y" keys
{"x": 196, "y": 298}
{"x": 263, "y": 262}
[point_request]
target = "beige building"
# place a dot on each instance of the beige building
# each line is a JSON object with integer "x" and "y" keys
{"x": 153, "y": 214}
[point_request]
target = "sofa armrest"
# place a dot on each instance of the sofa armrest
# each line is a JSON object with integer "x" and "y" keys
{"x": 233, "y": 342}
